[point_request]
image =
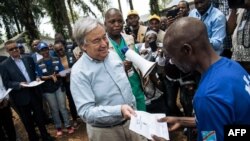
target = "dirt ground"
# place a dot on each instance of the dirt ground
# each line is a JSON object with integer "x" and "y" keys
{"x": 79, "y": 134}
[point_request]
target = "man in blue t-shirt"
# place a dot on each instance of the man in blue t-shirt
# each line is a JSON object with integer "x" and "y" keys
{"x": 223, "y": 95}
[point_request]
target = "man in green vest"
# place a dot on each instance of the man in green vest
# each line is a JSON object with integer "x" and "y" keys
{"x": 117, "y": 40}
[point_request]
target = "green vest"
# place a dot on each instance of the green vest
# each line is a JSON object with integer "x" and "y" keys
{"x": 134, "y": 79}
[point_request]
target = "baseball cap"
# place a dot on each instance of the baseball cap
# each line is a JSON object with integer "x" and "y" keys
{"x": 132, "y": 12}
{"x": 154, "y": 17}
{"x": 42, "y": 45}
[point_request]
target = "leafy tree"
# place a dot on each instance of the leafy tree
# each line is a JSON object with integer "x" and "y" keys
{"x": 19, "y": 15}
{"x": 27, "y": 19}
{"x": 59, "y": 17}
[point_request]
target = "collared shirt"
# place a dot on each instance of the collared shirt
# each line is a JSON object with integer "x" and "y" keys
{"x": 215, "y": 22}
{"x": 22, "y": 68}
{"x": 99, "y": 88}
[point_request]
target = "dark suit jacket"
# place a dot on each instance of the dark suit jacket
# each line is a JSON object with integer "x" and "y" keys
{"x": 13, "y": 76}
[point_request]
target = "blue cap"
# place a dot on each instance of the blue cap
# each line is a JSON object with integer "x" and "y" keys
{"x": 42, "y": 45}
{"x": 19, "y": 45}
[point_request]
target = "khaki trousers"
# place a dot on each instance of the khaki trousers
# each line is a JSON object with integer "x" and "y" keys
{"x": 117, "y": 133}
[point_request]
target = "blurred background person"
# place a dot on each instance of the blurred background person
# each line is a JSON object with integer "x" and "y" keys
{"x": 136, "y": 30}
{"x": 154, "y": 24}
{"x": 241, "y": 34}
{"x": 48, "y": 70}
{"x": 67, "y": 59}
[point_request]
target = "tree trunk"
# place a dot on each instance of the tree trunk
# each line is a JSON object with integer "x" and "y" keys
{"x": 27, "y": 19}
{"x": 131, "y": 5}
{"x": 17, "y": 23}
{"x": 65, "y": 17}
{"x": 120, "y": 7}
{"x": 154, "y": 7}
{"x": 71, "y": 10}
{"x": 7, "y": 28}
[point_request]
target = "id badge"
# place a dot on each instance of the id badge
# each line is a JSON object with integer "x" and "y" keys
{"x": 71, "y": 60}
{"x": 130, "y": 72}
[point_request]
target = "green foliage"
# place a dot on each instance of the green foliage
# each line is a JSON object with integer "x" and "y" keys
{"x": 163, "y": 4}
{"x": 154, "y": 7}
{"x": 17, "y": 15}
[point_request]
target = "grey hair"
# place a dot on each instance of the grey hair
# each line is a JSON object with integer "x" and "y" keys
{"x": 150, "y": 32}
{"x": 82, "y": 27}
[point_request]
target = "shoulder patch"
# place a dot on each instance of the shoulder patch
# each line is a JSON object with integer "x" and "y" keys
{"x": 208, "y": 135}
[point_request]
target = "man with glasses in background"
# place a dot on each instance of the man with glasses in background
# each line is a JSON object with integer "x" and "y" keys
{"x": 20, "y": 70}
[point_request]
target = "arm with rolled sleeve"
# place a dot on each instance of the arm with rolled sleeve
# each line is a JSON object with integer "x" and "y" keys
{"x": 87, "y": 109}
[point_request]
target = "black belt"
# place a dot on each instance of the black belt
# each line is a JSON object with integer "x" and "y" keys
{"x": 110, "y": 126}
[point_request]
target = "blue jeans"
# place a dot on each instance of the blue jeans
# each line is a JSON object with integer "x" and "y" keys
{"x": 57, "y": 102}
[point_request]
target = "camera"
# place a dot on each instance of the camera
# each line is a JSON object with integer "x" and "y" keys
{"x": 173, "y": 12}
{"x": 128, "y": 29}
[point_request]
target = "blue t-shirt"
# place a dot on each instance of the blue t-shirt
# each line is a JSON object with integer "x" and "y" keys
{"x": 223, "y": 98}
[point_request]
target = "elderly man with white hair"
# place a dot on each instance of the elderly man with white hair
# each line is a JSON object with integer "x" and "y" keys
{"x": 100, "y": 87}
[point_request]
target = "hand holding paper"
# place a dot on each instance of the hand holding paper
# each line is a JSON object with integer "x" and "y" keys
{"x": 147, "y": 125}
{"x": 32, "y": 84}
{"x": 64, "y": 72}
{"x": 4, "y": 93}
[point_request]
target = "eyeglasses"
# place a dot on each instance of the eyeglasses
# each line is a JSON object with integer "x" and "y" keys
{"x": 98, "y": 41}
{"x": 58, "y": 50}
{"x": 12, "y": 49}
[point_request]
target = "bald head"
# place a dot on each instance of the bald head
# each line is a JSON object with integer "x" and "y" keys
{"x": 113, "y": 23}
{"x": 186, "y": 43}
{"x": 187, "y": 30}
{"x": 112, "y": 11}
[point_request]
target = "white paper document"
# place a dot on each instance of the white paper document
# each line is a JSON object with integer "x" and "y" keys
{"x": 146, "y": 124}
{"x": 4, "y": 93}
{"x": 64, "y": 72}
{"x": 32, "y": 84}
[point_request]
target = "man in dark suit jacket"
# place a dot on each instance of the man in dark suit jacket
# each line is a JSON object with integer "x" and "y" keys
{"x": 20, "y": 70}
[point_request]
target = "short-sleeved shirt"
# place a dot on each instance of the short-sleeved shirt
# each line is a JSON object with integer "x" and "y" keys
{"x": 223, "y": 98}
